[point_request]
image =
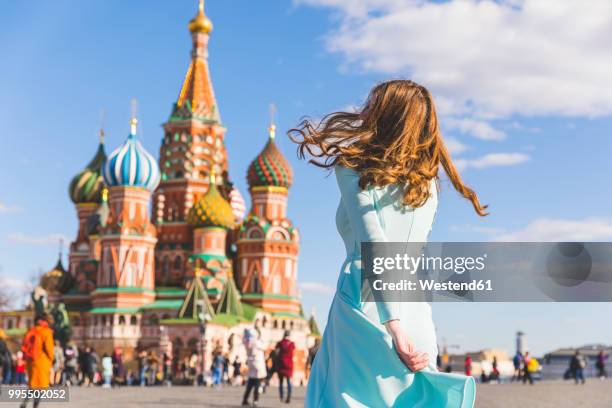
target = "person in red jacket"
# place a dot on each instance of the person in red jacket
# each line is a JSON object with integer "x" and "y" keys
{"x": 285, "y": 349}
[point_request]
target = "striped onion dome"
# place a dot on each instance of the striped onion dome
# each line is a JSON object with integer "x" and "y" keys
{"x": 211, "y": 210}
{"x": 131, "y": 165}
{"x": 86, "y": 187}
{"x": 270, "y": 168}
{"x": 238, "y": 205}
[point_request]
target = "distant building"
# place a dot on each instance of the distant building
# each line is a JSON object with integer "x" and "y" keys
{"x": 556, "y": 363}
{"x": 483, "y": 361}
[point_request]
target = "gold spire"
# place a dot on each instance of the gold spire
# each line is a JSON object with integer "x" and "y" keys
{"x": 213, "y": 176}
{"x": 133, "y": 120}
{"x": 272, "y": 128}
{"x": 101, "y": 136}
{"x": 200, "y": 23}
{"x": 104, "y": 194}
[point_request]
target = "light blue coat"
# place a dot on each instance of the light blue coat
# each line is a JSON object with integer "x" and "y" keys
{"x": 356, "y": 365}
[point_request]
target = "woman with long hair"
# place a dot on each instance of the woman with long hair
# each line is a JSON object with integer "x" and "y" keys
{"x": 386, "y": 160}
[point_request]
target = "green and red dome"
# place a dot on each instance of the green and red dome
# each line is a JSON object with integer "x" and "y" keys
{"x": 270, "y": 168}
{"x": 86, "y": 187}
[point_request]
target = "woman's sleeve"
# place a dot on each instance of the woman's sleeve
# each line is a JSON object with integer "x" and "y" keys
{"x": 361, "y": 211}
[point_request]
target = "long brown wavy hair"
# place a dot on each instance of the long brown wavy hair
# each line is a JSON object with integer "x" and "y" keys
{"x": 395, "y": 139}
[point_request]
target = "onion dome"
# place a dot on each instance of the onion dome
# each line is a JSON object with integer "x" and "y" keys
{"x": 131, "y": 165}
{"x": 57, "y": 280}
{"x": 211, "y": 210}
{"x": 270, "y": 168}
{"x": 238, "y": 205}
{"x": 86, "y": 187}
{"x": 200, "y": 23}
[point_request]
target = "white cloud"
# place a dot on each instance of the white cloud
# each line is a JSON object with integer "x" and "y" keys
{"x": 553, "y": 230}
{"x": 316, "y": 287}
{"x": 9, "y": 209}
{"x": 486, "y": 58}
{"x": 477, "y": 128}
{"x": 492, "y": 160}
{"x": 51, "y": 239}
{"x": 454, "y": 146}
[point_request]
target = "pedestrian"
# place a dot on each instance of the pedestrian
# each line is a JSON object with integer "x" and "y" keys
{"x": 71, "y": 363}
{"x": 286, "y": 349}
{"x": 271, "y": 366}
{"x": 192, "y": 364}
{"x": 226, "y": 364}
{"x": 6, "y": 360}
{"x": 577, "y": 366}
{"x": 38, "y": 351}
{"x": 528, "y": 368}
{"x": 90, "y": 366}
{"x": 142, "y": 367}
{"x": 118, "y": 369}
{"x": 237, "y": 374}
{"x": 517, "y": 361}
{"x": 20, "y": 368}
{"x": 107, "y": 370}
{"x": 152, "y": 367}
{"x": 167, "y": 369}
{"x": 58, "y": 363}
{"x": 601, "y": 365}
{"x": 467, "y": 365}
{"x": 256, "y": 363}
{"x": 217, "y": 368}
{"x": 312, "y": 352}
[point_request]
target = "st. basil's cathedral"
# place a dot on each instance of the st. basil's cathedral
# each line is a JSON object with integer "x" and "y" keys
{"x": 195, "y": 270}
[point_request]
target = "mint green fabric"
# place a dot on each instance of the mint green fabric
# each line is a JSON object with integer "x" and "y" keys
{"x": 356, "y": 365}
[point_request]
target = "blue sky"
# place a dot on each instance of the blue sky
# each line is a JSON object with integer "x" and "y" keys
{"x": 524, "y": 102}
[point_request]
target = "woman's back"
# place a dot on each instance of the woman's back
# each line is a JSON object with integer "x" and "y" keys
{"x": 386, "y": 218}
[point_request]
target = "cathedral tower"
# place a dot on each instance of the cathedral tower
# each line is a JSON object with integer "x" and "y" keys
{"x": 86, "y": 193}
{"x": 192, "y": 146}
{"x": 126, "y": 275}
{"x": 268, "y": 244}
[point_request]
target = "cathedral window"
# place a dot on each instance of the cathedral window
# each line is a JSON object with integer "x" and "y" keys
{"x": 178, "y": 263}
{"x": 133, "y": 321}
{"x": 121, "y": 320}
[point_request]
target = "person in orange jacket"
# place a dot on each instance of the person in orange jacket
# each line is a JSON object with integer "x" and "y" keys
{"x": 37, "y": 349}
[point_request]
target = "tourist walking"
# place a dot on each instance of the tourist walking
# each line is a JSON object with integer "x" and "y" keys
{"x": 577, "y": 366}
{"x": 271, "y": 367}
{"x": 217, "y": 368}
{"x": 118, "y": 368}
{"x": 142, "y": 367}
{"x": 90, "y": 366}
{"x": 386, "y": 158}
{"x": 237, "y": 371}
{"x": 107, "y": 370}
{"x": 517, "y": 361}
{"x": 20, "y": 368}
{"x": 71, "y": 364}
{"x": 601, "y": 365}
{"x": 256, "y": 363}
{"x": 58, "y": 363}
{"x": 527, "y": 368}
{"x": 38, "y": 351}
{"x": 6, "y": 360}
{"x": 467, "y": 366}
{"x": 167, "y": 369}
{"x": 286, "y": 350}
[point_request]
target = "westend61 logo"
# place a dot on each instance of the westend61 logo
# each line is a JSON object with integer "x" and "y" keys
{"x": 486, "y": 271}
{"x": 410, "y": 264}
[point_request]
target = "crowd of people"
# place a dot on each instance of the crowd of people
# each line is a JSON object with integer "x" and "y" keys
{"x": 41, "y": 362}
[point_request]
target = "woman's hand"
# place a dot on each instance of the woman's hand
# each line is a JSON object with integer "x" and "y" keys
{"x": 413, "y": 359}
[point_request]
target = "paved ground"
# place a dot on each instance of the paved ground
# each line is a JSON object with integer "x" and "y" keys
{"x": 550, "y": 394}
